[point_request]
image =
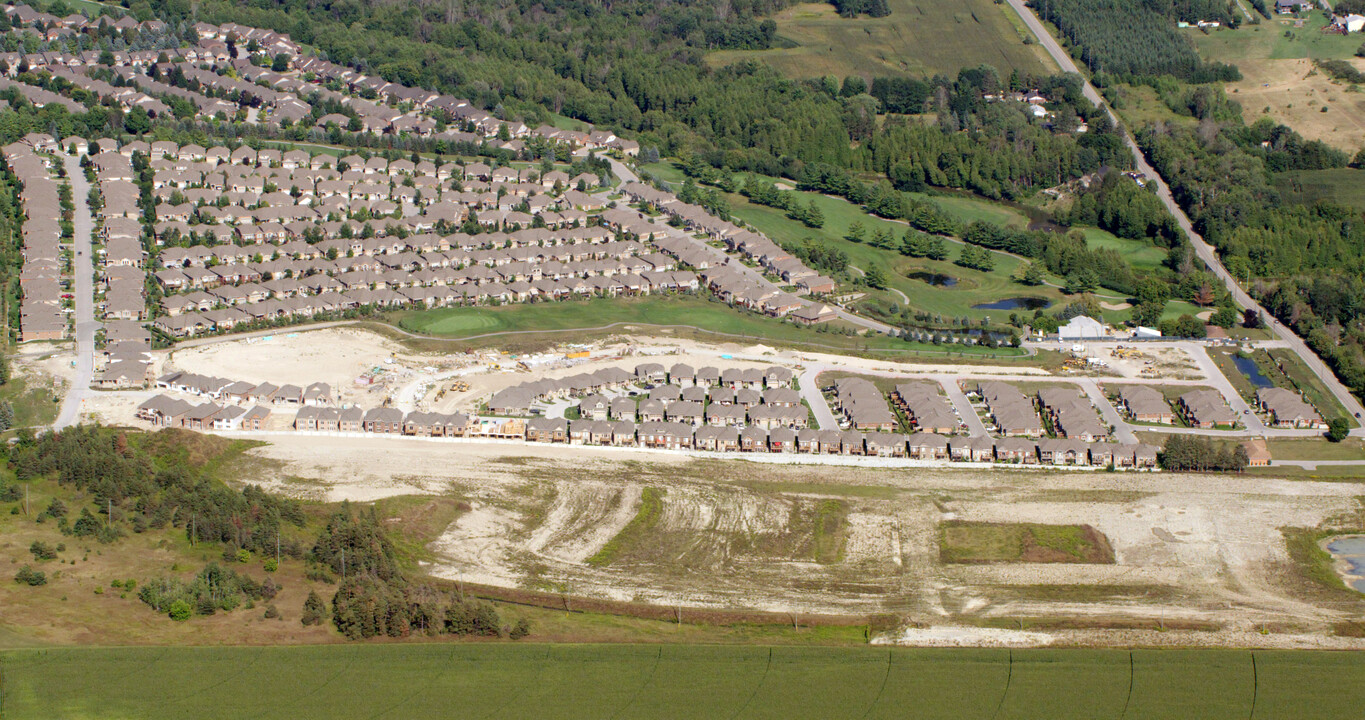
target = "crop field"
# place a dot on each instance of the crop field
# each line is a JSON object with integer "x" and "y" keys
{"x": 1345, "y": 186}
{"x": 651, "y": 681}
{"x": 915, "y": 39}
{"x": 682, "y": 311}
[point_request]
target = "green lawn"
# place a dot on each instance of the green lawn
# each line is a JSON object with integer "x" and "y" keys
{"x": 652, "y": 681}
{"x": 973, "y": 287}
{"x": 1141, "y": 254}
{"x": 919, "y": 39}
{"x": 1315, "y": 449}
{"x": 1275, "y": 39}
{"x": 684, "y": 311}
{"x": 1345, "y": 186}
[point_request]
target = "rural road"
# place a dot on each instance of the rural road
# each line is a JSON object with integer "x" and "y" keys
{"x": 1205, "y": 251}
{"x": 84, "y": 288}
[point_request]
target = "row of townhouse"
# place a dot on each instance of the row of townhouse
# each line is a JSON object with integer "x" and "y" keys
{"x": 680, "y": 382}
{"x": 41, "y": 278}
{"x": 751, "y": 245}
{"x": 1288, "y": 409}
{"x": 1145, "y": 405}
{"x": 1010, "y": 411}
{"x": 673, "y": 435}
{"x": 1206, "y": 409}
{"x": 926, "y": 408}
{"x": 76, "y": 22}
{"x": 166, "y": 411}
{"x": 40, "y": 97}
{"x": 126, "y": 97}
{"x": 727, "y": 407}
{"x": 862, "y": 405}
{"x": 285, "y": 96}
{"x": 239, "y": 392}
{"x": 1072, "y": 415}
{"x": 122, "y": 279}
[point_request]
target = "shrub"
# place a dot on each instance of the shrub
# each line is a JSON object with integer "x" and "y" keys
{"x": 42, "y": 551}
{"x": 29, "y": 576}
{"x": 179, "y": 611}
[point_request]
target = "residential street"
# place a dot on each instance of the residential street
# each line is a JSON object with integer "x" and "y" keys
{"x": 1205, "y": 251}
{"x": 84, "y": 269}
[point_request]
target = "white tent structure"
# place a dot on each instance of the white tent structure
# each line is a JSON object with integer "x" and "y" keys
{"x": 1082, "y": 328}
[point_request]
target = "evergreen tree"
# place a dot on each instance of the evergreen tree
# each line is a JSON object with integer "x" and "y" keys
{"x": 938, "y": 249}
{"x": 855, "y": 233}
{"x": 814, "y": 217}
{"x": 313, "y": 609}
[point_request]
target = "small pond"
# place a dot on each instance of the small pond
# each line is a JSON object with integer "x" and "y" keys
{"x": 1350, "y": 550}
{"x": 1247, "y": 366}
{"x": 1015, "y": 303}
{"x": 933, "y": 278}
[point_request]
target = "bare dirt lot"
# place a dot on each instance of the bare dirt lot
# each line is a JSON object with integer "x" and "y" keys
{"x": 1204, "y": 553}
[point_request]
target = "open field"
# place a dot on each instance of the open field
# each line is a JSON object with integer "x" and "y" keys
{"x": 684, "y": 311}
{"x": 652, "y": 681}
{"x": 915, "y": 39}
{"x": 1345, "y": 186}
{"x": 961, "y": 542}
{"x": 1279, "y": 80}
{"x": 1294, "y": 92}
{"x": 1275, "y": 39}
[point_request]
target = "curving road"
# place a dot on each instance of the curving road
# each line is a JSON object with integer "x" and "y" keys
{"x": 1204, "y": 250}
{"x": 83, "y": 268}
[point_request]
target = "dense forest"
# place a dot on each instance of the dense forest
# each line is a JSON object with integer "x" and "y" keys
{"x": 1307, "y": 261}
{"x": 1138, "y": 38}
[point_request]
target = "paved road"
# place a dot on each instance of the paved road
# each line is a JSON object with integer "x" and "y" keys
{"x": 1201, "y": 248}
{"x": 84, "y": 290}
{"x": 1123, "y": 432}
{"x": 810, "y": 392}
{"x": 976, "y": 427}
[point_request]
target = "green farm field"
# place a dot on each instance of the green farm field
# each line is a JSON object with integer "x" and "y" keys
{"x": 917, "y": 38}
{"x": 684, "y": 312}
{"x": 652, "y": 681}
